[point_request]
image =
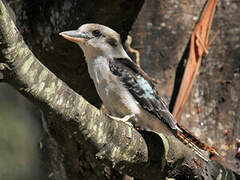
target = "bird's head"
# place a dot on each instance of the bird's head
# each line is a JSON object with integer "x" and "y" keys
{"x": 96, "y": 40}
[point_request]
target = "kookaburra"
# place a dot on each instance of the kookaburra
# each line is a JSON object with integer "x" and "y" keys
{"x": 123, "y": 89}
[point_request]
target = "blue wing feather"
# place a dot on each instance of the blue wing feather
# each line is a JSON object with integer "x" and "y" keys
{"x": 141, "y": 89}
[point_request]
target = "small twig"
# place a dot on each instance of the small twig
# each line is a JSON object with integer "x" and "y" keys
{"x": 213, "y": 38}
{"x": 146, "y": 76}
{"x": 202, "y": 44}
{"x": 128, "y": 43}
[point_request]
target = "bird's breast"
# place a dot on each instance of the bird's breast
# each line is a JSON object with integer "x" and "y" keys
{"x": 115, "y": 96}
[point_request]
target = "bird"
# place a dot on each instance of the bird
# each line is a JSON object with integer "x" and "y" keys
{"x": 125, "y": 90}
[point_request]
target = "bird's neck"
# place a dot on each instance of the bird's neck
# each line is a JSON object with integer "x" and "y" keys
{"x": 98, "y": 68}
{"x": 98, "y": 61}
{"x": 91, "y": 54}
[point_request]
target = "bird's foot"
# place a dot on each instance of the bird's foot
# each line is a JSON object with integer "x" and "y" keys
{"x": 125, "y": 119}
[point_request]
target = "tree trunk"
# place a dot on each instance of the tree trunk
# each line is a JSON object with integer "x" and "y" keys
{"x": 161, "y": 33}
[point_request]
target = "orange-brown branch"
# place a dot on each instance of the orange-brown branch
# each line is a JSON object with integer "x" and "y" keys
{"x": 199, "y": 45}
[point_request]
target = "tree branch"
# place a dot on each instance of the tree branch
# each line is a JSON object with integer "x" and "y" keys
{"x": 112, "y": 142}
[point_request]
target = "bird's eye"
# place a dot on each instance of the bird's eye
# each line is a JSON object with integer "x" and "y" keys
{"x": 96, "y": 33}
{"x": 112, "y": 42}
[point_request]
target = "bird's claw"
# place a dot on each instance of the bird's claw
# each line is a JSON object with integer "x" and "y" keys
{"x": 125, "y": 119}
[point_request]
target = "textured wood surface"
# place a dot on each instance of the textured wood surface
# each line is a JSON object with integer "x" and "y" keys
{"x": 161, "y": 33}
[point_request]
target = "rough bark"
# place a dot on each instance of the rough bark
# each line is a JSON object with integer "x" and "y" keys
{"x": 72, "y": 125}
{"x": 161, "y": 34}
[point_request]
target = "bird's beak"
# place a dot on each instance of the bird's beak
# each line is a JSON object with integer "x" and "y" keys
{"x": 74, "y": 36}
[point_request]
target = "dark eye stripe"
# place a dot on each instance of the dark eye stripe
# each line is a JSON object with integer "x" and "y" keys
{"x": 112, "y": 42}
{"x": 96, "y": 33}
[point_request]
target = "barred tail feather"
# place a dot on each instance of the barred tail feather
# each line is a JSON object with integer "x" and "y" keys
{"x": 194, "y": 143}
